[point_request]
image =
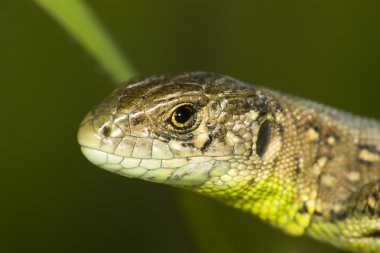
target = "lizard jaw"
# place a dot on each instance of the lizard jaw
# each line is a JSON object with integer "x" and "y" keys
{"x": 191, "y": 174}
{"x": 181, "y": 171}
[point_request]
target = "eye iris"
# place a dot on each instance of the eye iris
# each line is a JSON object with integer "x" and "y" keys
{"x": 183, "y": 117}
{"x": 183, "y": 114}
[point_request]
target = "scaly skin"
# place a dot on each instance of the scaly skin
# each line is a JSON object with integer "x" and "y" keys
{"x": 303, "y": 167}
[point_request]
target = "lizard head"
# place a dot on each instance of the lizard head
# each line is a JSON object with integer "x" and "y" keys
{"x": 193, "y": 130}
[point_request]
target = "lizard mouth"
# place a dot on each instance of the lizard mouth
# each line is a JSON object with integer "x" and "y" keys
{"x": 169, "y": 171}
{"x": 157, "y": 167}
{"x": 129, "y": 167}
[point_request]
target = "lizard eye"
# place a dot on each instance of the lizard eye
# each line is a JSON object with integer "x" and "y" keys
{"x": 183, "y": 117}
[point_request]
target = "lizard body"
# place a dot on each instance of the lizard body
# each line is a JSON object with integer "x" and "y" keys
{"x": 304, "y": 167}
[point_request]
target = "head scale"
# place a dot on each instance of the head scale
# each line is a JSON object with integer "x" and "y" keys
{"x": 187, "y": 130}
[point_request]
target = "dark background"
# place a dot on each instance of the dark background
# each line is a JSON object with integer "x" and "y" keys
{"x": 53, "y": 200}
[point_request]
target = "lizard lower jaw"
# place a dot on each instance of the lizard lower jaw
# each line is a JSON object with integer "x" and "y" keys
{"x": 150, "y": 169}
{"x": 129, "y": 167}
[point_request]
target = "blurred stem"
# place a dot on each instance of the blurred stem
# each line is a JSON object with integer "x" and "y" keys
{"x": 77, "y": 18}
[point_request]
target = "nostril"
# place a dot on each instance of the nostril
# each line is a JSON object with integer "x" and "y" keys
{"x": 109, "y": 130}
{"x": 106, "y": 131}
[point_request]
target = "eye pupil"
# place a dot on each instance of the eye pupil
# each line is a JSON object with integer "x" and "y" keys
{"x": 183, "y": 114}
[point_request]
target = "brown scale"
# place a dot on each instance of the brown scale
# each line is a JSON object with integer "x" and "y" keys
{"x": 343, "y": 154}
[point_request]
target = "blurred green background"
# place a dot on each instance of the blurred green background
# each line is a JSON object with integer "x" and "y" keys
{"x": 53, "y": 200}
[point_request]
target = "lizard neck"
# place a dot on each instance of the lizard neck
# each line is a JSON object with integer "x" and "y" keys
{"x": 272, "y": 184}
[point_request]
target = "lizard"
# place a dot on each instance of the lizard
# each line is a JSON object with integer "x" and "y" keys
{"x": 303, "y": 167}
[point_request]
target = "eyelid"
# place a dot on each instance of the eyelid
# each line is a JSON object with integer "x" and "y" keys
{"x": 182, "y": 104}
